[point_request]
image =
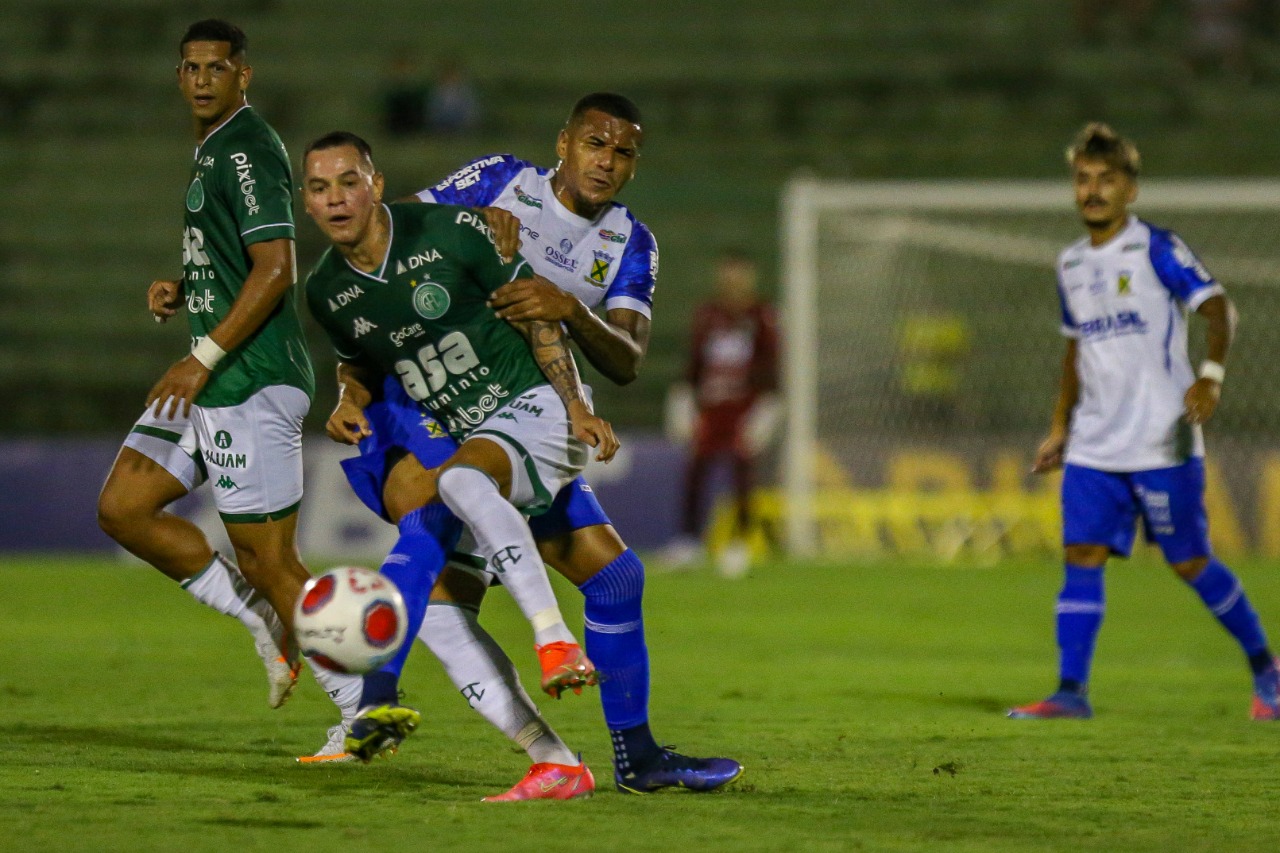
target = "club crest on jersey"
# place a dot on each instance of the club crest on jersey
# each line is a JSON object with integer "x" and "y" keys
{"x": 430, "y": 300}
{"x": 433, "y": 428}
{"x": 599, "y": 269}
{"x": 1122, "y": 285}
{"x": 195, "y": 196}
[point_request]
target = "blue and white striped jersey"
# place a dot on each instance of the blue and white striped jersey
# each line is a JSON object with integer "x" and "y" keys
{"x": 1126, "y": 304}
{"x": 611, "y": 259}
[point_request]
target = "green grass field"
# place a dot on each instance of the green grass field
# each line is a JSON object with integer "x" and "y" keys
{"x": 865, "y": 701}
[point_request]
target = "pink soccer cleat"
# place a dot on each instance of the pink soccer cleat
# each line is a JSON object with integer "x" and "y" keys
{"x": 550, "y": 782}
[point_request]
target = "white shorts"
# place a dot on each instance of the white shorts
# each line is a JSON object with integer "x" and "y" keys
{"x": 545, "y": 457}
{"x": 250, "y": 453}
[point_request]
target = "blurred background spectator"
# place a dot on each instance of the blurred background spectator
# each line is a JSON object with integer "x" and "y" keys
{"x": 453, "y": 107}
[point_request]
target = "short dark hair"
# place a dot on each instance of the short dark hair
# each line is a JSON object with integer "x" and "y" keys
{"x": 1098, "y": 140}
{"x": 337, "y": 139}
{"x": 216, "y": 29}
{"x": 609, "y": 103}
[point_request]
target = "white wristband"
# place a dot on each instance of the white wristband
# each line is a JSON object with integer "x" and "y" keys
{"x": 207, "y": 352}
{"x": 1212, "y": 370}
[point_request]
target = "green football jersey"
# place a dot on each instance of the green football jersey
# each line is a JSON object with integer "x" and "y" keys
{"x": 422, "y": 316}
{"x": 241, "y": 193}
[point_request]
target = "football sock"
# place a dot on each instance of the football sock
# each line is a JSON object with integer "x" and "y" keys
{"x": 221, "y": 586}
{"x": 426, "y": 536}
{"x": 504, "y": 541}
{"x": 614, "y": 635}
{"x": 343, "y": 689}
{"x": 488, "y": 680}
{"x": 1080, "y": 608}
{"x": 1221, "y": 592}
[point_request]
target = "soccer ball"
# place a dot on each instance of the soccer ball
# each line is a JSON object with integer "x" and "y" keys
{"x": 350, "y": 619}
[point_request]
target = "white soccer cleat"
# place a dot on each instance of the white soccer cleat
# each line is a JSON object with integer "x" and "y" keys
{"x": 334, "y": 751}
{"x": 282, "y": 676}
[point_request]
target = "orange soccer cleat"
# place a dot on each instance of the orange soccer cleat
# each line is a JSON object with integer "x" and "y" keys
{"x": 565, "y": 665}
{"x": 550, "y": 782}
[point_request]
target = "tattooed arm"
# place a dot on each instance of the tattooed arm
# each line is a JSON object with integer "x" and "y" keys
{"x": 551, "y": 352}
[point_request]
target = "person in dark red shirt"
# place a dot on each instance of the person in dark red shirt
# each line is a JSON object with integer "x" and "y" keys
{"x": 732, "y": 379}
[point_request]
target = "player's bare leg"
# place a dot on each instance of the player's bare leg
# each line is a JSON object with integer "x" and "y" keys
{"x": 268, "y": 555}
{"x": 132, "y": 510}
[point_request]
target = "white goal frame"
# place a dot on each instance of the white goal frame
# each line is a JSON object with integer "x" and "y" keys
{"x": 805, "y": 199}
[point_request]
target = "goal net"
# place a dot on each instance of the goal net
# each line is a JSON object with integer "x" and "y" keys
{"x": 922, "y": 359}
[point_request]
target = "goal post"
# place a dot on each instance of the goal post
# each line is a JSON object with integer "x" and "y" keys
{"x": 921, "y": 355}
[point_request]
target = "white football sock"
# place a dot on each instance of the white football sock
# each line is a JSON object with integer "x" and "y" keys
{"x": 343, "y": 689}
{"x": 222, "y": 587}
{"x": 488, "y": 680}
{"x": 504, "y": 541}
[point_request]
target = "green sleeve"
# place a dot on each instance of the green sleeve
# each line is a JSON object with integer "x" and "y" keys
{"x": 258, "y": 185}
{"x": 480, "y": 258}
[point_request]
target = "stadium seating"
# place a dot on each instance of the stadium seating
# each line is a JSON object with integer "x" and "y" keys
{"x": 739, "y": 96}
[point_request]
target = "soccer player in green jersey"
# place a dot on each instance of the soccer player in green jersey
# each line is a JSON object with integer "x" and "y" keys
{"x": 231, "y": 411}
{"x": 404, "y": 292}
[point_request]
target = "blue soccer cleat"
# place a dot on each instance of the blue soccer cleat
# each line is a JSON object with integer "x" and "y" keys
{"x": 1061, "y": 705}
{"x": 380, "y": 728}
{"x": 673, "y": 770}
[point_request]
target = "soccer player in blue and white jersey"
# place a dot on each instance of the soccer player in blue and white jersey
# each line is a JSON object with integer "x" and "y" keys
{"x": 1128, "y": 419}
{"x": 587, "y": 250}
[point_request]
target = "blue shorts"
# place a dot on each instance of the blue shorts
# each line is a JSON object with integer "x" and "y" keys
{"x": 1102, "y": 508}
{"x": 401, "y": 426}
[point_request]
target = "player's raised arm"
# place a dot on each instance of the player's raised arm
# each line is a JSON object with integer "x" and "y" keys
{"x": 551, "y": 352}
{"x": 1220, "y": 317}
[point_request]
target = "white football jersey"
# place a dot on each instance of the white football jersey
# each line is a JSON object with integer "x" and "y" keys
{"x": 1126, "y": 304}
{"x": 611, "y": 259}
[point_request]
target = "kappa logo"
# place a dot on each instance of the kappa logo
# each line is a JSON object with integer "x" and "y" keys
{"x": 225, "y": 482}
{"x": 430, "y": 256}
{"x": 362, "y": 327}
{"x": 351, "y": 294}
{"x": 430, "y": 300}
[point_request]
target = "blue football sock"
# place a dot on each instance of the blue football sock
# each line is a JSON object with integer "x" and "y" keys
{"x": 1221, "y": 592}
{"x": 614, "y": 628}
{"x": 426, "y": 535}
{"x": 1080, "y": 609}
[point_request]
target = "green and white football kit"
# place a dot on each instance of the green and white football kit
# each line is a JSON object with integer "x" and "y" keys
{"x": 244, "y": 433}
{"x": 422, "y": 316}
